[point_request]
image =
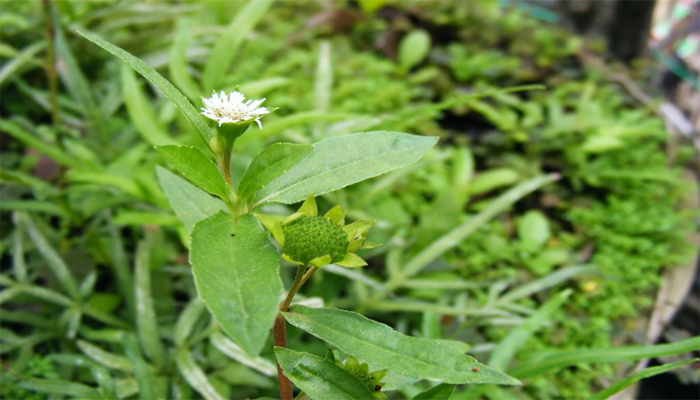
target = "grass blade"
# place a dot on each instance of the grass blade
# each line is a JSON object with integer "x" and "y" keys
{"x": 226, "y": 346}
{"x": 560, "y": 359}
{"x": 230, "y": 41}
{"x": 452, "y": 238}
{"x": 504, "y": 353}
{"x": 178, "y": 63}
{"x": 620, "y": 385}
{"x": 180, "y": 101}
{"x": 195, "y": 376}
{"x": 141, "y": 370}
{"x": 59, "y": 387}
{"x": 109, "y": 360}
{"x": 146, "y": 322}
{"x": 140, "y": 110}
{"x": 50, "y": 150}
{"x": 53, "y": 260}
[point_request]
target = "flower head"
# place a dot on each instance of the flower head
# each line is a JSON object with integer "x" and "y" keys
{"x": 233, "y": 108}
{"x": 373, "y": 380}
{"x": 308, "y": 239}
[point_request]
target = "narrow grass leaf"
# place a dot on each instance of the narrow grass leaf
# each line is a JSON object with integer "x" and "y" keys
{"x": 321, "y": 379}
{"x": 384, "y": 347}
{"x": 141, "y": 111}
{"x": 341, "y": 161}
{"x": 442, "y": 391}
{"x": 190, "y": 203}
{"x": 195, "y": 376}
{"x": 226, "y": 346}
{"x": 237, "y": 277}
{"x": 177, "y": 66}
{"x": 50, "y": 150}
{"x": 102, "y": 357}
{"x": 180, "y": 101}
{"x": 24, "y": 58}
{"x": 53, "y": 260}
{"x": 272, "y": 162}
{"x": 35, "y": 291}
{"x": 78, "y": 85}
{"x": 455, "y": 236}
{"x": 624, "y": 383}
{"x": 196, "y": 167}
{"x": 146, "y": 322}
{"x": 505, "y": 351}
{"x": 60, "y": 387}
{"x": 19, "y": 266}
{"x": 187, "y": 320}
{"x": 542, "y": 363}
{"x": 228, "y": 43}
{"x": 545, "y": 282}
{"x": 140, "y": 368}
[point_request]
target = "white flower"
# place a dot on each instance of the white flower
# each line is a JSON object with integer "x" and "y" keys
{"x": 233, "y": 108}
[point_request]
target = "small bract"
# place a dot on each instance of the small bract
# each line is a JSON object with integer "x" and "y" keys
{"x": 308, "y": 239}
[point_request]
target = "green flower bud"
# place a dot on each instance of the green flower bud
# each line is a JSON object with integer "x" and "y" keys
{"x": 308, "y": 237}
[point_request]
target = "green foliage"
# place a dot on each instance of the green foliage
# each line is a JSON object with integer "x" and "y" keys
{"x": 481, "y": 242}
{"x": 379, "y": 344}
{"x": 235, "y": 269}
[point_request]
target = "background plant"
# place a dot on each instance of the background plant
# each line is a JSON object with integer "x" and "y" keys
{"x": 96, "y": 204}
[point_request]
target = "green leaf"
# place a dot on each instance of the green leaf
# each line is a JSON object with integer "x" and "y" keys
{"x": 226, "y": 346}
{"x": 320, "y": 378}
{"x": 384, "y": 347}
{"x": 180, "y": 101}
{"x": 269, "y": 164}
{"x": 195, "y": 376}
{"x": 109, "y": 360}
{"x": 141, "y": 111}
{"x": 59, "y": 387}
{"x": 196, "y": 167}
{"x": 413, "y": 48}
{"x": 504, "y": 353}
{"x": 53, "y": 259}
{"x": 146, "y": 322}
{"x": 541, "y": 363}
{"x": 620, "y": 385}
{"x": 190, "y": 203}
{"x": 237, "y": 277}
{"x": 341, "y": 161}
{"x": 177, "y": 67}
{"x": 533, "y": 229}
{"x": 141, "y": 371}
{"x": 230, "y": 41}
{"x": 49, "y": 149}
{"x": 492, "y": 179}
{"x": 439, "y": 392}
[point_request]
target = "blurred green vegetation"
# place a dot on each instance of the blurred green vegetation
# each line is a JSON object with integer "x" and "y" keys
{"x": 88, "y": 237}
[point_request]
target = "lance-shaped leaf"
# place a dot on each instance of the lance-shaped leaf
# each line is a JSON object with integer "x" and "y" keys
{"x": 384, "y": 347}
{"x": 196, "y": 167}
{"x": 190, "y": 203}
{"x": 272, "y": 162}
{"x": 439, "y": 392}
{"x": 237, "y": 277}
{"x": 320, "y": 378}
{"x": 180, "y": 101}
{"x": 341, "y": 161}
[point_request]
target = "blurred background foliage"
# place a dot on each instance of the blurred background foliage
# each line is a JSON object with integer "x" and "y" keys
{"x": 98, "y": 300}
